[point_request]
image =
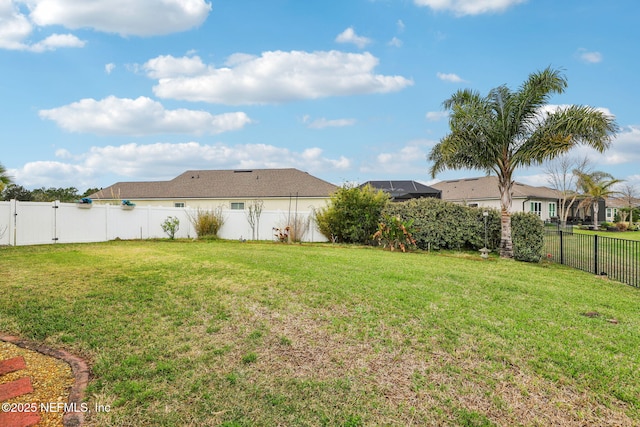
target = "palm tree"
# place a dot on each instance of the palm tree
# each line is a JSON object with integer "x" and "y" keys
{"x": 4, "y": 178}
{"x": 595, "y": 186}
{"x": 509, "y": 129}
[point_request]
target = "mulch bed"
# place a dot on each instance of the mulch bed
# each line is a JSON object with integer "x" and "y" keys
{"x": 48, "y": 377}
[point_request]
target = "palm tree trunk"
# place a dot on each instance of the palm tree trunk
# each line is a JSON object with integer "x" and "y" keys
{"x": 506, "y": 244}
{"x": 595, "y": 214}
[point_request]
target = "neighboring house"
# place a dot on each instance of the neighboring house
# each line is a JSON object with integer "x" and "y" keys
{"x": 614, "y": 204}
{"x": 278, "y": 189}
{"x": 483, "y": 192}
{"x": 401, "y": 191}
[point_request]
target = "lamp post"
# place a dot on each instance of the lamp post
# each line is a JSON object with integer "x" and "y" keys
{"x": 484, "y": 252}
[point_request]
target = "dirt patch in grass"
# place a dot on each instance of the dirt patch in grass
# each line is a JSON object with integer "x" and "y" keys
{"x": 404, "y": 385}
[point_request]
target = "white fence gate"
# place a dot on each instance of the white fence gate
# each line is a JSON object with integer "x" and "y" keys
{"x": 34, "y": 223}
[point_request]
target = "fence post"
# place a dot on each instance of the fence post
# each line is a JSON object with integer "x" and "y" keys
{"x": 561, "y": 248}
{"x": 595, "y": 254}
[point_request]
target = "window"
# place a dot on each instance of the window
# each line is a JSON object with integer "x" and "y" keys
{"x": 237, "y": 205}
{"x": 178, "y": 205}
{"x": 536, "y": 207}
{"x": 552, "y": 210}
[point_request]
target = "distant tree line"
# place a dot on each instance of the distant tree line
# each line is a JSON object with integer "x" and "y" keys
{"x": 69, "y": 194}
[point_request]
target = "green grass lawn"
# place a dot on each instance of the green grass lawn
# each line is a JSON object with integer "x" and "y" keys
{"x": 627, "y": 235}
{"x": 259, "y": 334}
{"x": 618, "y": 258}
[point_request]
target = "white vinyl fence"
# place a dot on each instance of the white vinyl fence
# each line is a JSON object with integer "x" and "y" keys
{"x": 35, "y": 223}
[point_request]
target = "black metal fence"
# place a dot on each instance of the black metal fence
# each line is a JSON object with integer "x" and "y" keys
{"x": 618, "y": 259}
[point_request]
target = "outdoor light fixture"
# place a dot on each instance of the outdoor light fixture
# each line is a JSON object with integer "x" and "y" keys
{"x": 484, "y": 252}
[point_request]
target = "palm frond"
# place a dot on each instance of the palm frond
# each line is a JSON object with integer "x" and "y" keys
{"x": 5, "y": 179}
{"x": 534, "y": 94}
{"x": 564, "y": 129}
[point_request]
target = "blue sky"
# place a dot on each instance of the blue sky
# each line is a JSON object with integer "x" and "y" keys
{"x": 127, "y": 90}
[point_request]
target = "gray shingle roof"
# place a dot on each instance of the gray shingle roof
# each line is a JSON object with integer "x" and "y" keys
{"x": 621, "y": 202}
{"x": 223, "y": 184}
{"x": 485, "y": 188}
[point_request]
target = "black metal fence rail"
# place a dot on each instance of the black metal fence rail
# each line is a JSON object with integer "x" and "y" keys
{"x": 618, "y": 259}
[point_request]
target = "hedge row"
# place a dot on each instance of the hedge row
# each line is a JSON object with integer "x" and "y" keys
{"x": 440, "y": 224}
{"x": 354, "y": 213}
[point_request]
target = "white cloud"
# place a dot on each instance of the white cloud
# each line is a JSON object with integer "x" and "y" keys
{"x": 125, "y": 17}
{"x": 349, "y": 36}
{"x": 469, "y": 7}
{"x": 108, "y": 68}
{"x": 589, "y": 57}
{"x": 166, "y": 160}
{"x": 167, "y": 66}
{"x": 625, "y": 147}
{"x": 54, "y": 174}
{"x": 141, "y": 116}
{"x": 435, "y": 116}
{"x": 411, "y": 158}
{"x": 322, "y": 123}
{"x": 274, "y": 77}
{"x": 536, "y": 180}
{"x": 56, "y": 41}
{"x": 453, "y": 78}
{"x": 396, "y": 42}
{"x": 400, "y": 25}
{"x": 16, "y": 28}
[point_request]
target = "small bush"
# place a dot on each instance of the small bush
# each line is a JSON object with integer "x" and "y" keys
{"x": 352, "y": 215}
{"x": 622, "y": 226}
{"x": 171, "y": 225}
{"x": 207, "y": 223}
{"x": 393, "y": 233}
{"x": 527, "y": 233}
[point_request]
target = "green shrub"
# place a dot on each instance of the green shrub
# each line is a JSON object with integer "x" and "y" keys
{"x": 207, "y": 223}
{"x": 439, "y": 224}
{"x": 527, "y": 234}
{"x": 393, "y": 233}
{"x": 352, "y": 215}
{"x": 171, "y": 225}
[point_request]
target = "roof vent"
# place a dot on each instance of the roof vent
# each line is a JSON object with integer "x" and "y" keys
{"x": 243, "y": 171}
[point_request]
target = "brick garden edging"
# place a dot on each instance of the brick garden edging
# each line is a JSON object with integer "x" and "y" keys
{"x": 79, "y": 368}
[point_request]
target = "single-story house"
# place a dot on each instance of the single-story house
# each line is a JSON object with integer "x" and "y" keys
{"x": 401, "y": 191}
{"x": 278, "y": 189}
{"x": 483, "y": 192}
{"x": 614, "y": 204}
